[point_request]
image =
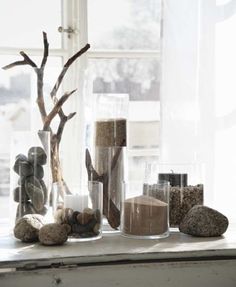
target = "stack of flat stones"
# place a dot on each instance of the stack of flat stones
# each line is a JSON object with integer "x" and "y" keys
{"x": 31, "y": 192}
{"x": 85, "y": 224}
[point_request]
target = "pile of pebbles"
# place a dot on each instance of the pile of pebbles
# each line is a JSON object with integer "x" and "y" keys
{"x": 31, "y": 192}
{"x": 85, "y": 224}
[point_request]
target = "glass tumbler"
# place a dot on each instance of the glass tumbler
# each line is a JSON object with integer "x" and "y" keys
{"x": 143, "y": 216}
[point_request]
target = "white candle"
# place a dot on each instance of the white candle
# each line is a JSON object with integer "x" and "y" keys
{"x": 76, "y": 202}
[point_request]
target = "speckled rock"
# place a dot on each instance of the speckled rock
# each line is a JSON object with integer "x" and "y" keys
{"x": 53, "y": 234}
{"x": 203, "y": 221}
{"x": 27, "y": 227}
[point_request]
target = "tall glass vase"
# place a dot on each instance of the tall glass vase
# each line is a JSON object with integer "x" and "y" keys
{"x": 30, "y": 178}
{"x": 109, "y": 153}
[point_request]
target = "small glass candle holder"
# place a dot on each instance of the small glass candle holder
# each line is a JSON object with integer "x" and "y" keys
{"x": 81, "y": 211}
{"x": 143, "y": 216}
{"x": 30, "y": 177}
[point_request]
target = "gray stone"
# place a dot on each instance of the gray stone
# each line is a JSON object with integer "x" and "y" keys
{"x": 53, "y": 234}
{"x": 27, "y": 227}
{"x": 37, "y": 155}
{"x": 36, "y": 196}
{"x": 21, "y": 157}
{"x": 20, "y": 195}
{"x": 24, "y": 208}
{"x": 45, "y": 190}
{"x": 23, "y": 167}
{"x": 203, "y": 221}
{"x": 38, "y": 171}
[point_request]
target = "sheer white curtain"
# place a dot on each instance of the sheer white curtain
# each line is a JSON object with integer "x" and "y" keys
{"x": 198, "y": 93}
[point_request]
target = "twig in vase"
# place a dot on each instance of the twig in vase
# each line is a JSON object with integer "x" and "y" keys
{"x": 110, "y": 210}
{"x": 47, "y": 118}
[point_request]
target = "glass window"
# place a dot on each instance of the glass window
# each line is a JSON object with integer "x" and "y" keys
{"x": 124, "y": 24}
{"x": 21, "y": 23}
{"x": 137, "y": 77}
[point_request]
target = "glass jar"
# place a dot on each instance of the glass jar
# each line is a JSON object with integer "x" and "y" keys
{"x": 30, "y": 177}
{"x": 81, "y": 210}
{"x": 186, "y": 187}
{"x": 143, "y": 216}
{"x": 109, "y": 153}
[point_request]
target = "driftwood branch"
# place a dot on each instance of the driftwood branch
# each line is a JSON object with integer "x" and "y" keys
{"x": 58, "y": 103}
{"x": 56, "y": 109}
{"x": 45, "y": 52}
{"x": 110, "y": 210}
{"x": 65, "y": 68}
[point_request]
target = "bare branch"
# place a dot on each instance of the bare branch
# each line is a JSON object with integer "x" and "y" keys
{"x": 65, "y": 68}
{"x": 17, "y": 63}
{"x": 56, "y": 109}
{"x": 45, "y": 54}
{"x": 71, "y": 115}
{"x": 28, "y": 60}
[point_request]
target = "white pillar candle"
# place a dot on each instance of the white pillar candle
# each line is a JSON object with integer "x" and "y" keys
{"x": 76, "y": 202}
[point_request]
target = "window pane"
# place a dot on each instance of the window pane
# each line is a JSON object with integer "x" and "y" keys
{"x": 124, "y": 24}
{"x": 22, "y": 23}
{"x": 137, "y": 77}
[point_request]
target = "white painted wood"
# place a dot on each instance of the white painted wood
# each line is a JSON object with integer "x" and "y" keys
{"x": 176, "y": 274}
{"x": 114, "y": 248}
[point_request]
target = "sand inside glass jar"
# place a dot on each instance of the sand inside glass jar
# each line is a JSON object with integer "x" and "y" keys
{"x": 145, "y": 216}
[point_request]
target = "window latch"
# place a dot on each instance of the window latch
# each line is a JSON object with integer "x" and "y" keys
{"x": 68, "y": 30}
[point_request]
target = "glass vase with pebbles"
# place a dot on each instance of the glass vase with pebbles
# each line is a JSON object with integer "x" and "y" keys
{"x": 30, "y": 179}
{"x": 81, "y": 212}
{"x": 186, "y": 188}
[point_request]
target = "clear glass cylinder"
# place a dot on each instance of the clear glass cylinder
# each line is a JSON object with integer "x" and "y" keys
{"x": 143, "y": 216}
{"x": 80, "y": 210}
{"x": 109, "y": 152}
{"x": 186, "y": 187}
{"x": 30, "y": 177}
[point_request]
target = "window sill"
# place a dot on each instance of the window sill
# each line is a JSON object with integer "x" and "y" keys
{"x": 116, "y": 249}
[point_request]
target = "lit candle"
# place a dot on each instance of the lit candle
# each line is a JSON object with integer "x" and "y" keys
{"x": 76, "y": 202}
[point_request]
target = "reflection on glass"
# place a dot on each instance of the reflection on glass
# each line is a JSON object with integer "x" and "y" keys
{"x": 124, "y": 24}
{"x": 22, "y": 23}
{"x": 137, "y": 77}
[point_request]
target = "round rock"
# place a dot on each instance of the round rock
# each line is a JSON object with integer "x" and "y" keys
{"x": 53, "y": 234}
{"x": 23, "y": 167}
{"x": 24, "y": 208}
{"x": 20, "y": 195}
{"x": 36, "y": 196}
{"x": 27, "y": 228}
{"x": 37, "y": 155}
{"x": 204, "y": 221}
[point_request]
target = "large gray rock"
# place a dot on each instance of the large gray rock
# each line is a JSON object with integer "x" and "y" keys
{"x": 27, "y": 227}
{"x": 53, "y": 234}
{"x": 204, "y": 222}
